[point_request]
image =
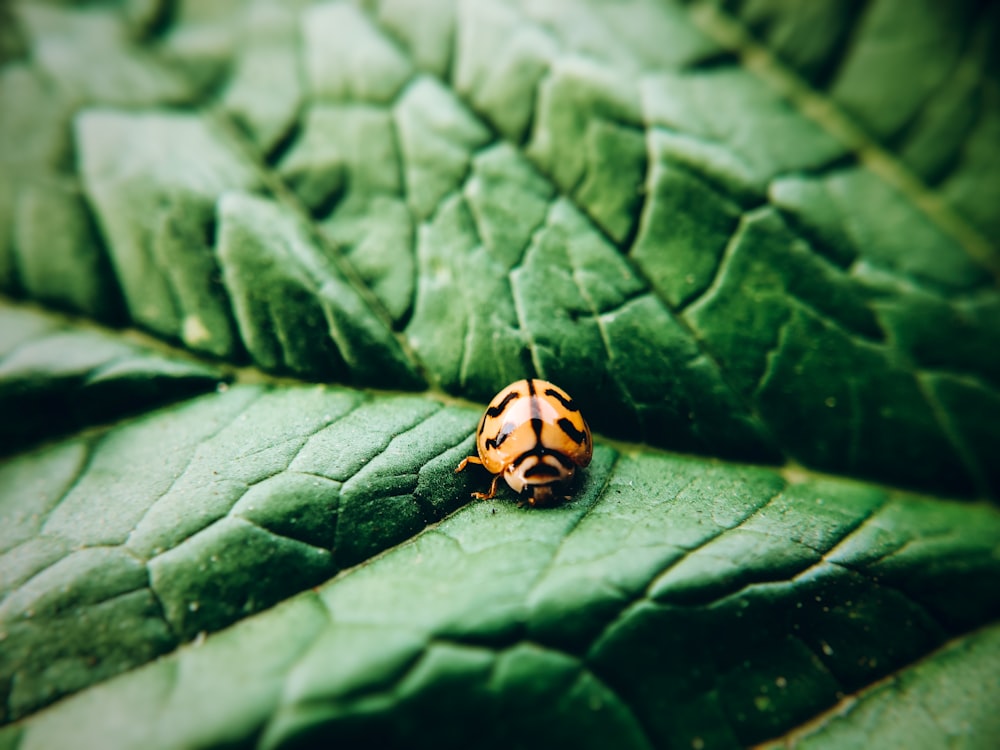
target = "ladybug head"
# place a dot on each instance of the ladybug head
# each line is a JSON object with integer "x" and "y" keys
{"x": 540, "y": 477}
{"x": 544, "y": 495}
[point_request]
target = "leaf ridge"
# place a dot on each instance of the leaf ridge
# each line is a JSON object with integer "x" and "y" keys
{"x": 593, "y": 499}
{"x": 647, "y": 594}
{"x": 281, "y": 190}
{"x": 946, "y": 423}
{"x": 758, "y": 59}
{"x": 258, "y": 394}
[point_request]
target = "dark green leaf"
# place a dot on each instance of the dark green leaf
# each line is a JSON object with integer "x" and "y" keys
{"x": 673, "y": 602}
{"x": 944, "y": 700}
{"x": 55, "y": 377}
{"x": 187, "y": 520}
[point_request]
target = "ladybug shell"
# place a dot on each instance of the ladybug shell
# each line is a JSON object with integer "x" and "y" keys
{"x": 534, "y": 422}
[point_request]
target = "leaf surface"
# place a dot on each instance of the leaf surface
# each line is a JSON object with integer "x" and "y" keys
{"x": 830, "y": 584}
{"x": 262, "y": 263}
{"x": 56, "y": 376}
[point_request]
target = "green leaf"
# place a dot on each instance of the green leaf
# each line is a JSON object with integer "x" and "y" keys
{"x": 756, "y": 241}
{"x": 221, "y": 507}
{"x": 619, "y": 605}
{"x": 943, "y": 700}
{"x": 55, "y": 376}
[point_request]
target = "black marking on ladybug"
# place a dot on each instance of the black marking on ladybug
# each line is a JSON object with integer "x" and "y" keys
{"x": 571, "y": 432}
{"x": 567, "y": 403}
{"x": 536, "y": 413}
{"x": 505, "y": 431}
{"x": 536, "y": 425}
{"x": 542, "y": 470}
{"x": 540, "y": 451}
{"x": 496, "y": 411}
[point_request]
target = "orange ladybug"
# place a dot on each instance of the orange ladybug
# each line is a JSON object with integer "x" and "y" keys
{"x": 533, "y": 436}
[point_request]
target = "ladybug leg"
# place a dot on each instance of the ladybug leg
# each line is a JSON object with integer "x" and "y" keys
{"x": 469, "y": 460}
{"x": 493, "y": 487}
{"x": 493, "y": 490}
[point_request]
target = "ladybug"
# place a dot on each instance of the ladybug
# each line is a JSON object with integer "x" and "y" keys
{"x": 532, "y": 435}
